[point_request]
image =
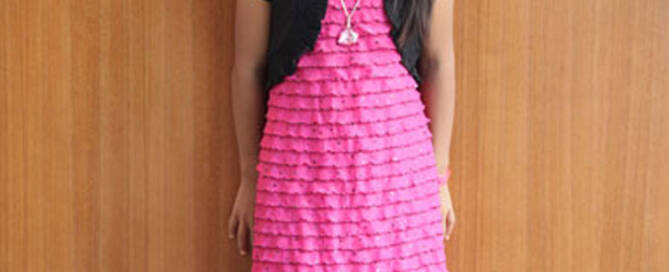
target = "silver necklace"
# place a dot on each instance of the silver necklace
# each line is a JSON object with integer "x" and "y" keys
{"x": 348, "y": 36}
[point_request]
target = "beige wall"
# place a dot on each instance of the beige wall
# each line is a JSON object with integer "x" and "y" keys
{"x": 117, "y": 151}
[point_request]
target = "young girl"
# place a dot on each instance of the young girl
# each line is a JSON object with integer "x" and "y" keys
{"x": 343, "y": 142}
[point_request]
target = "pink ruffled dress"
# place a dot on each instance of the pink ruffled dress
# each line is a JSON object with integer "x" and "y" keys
{"x": 347, "y": 175}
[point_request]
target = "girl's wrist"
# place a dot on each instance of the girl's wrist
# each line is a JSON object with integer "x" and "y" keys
{"x": 445, "y": 177}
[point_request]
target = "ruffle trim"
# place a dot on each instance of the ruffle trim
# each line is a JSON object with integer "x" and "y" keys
{"x": 358, "y": 72}
{"x": 336, "y": 207}
{"x": 324, "y": 160}
{"x": 344, "y": 88}
{"x": 389, "y": 229}
{"x": 345, "y": 173}
{"x": 380, "y": 224}
{"x": 346, "y": 243}
{"x": 339, "y": 187}
{"x": 363, "y": 29}
{"x": 264, "y": 267}
{"x": 344, "y": 59}
{"x": 326, "y": 235}
{"x": 400, "y": 256}
{"x": 345, "y": 149}
{"x": 416, "y": 262}
{"x": 360, "y": 116}
{"x": 311, "y": 131}
{"x": 358, "y": 144}
{"x": 426, "y": 260}
{"x": 357, "y": 161}
{"x": 341, "y": 103}
{"x": 370, "y": 43}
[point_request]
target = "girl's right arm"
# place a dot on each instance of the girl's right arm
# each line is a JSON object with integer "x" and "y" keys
{"x": 250, "y": 45}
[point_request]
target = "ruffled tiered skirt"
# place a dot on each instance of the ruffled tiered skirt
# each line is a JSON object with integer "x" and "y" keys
{"x": 347, "y": 175}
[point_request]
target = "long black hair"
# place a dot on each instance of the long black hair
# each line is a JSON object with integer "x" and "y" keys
{"x": 417, "y": 22}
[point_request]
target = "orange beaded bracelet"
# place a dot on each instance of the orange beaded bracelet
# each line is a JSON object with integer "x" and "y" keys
{"x": 444, "y": 178}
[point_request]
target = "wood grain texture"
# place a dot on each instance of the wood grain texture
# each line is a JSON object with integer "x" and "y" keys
{"x": 117, "y": 151}
{"x": 561, "y": 136}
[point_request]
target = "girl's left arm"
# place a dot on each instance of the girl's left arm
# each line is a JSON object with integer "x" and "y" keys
{"x": 437, "y": 67}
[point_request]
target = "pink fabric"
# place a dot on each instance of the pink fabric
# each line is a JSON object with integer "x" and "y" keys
{"x": 348, "y": 179}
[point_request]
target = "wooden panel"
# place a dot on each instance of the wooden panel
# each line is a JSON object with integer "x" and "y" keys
{"x": 117, "y": 149}
{"x": 561, "y": 134}
{"x": 116, "y": 144}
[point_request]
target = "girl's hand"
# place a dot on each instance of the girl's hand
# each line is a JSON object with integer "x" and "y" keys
{"x": 447, "y": 210}
{"x": 240, "y": 223}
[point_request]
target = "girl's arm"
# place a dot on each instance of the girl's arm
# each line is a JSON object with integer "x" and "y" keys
{"x": 438, "y": 89}
{"x": 437, "y": 66}
{"x": 251, "y": 36}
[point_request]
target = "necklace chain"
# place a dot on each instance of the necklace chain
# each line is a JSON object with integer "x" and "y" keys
{"x": 349, "y": 15}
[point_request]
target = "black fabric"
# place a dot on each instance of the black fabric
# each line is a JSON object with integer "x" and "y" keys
{"x": 395, "y": 10}
{"x": 296, "y": 24}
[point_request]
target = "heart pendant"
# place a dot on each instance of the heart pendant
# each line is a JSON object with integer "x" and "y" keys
{"x": 348, "y": 37}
